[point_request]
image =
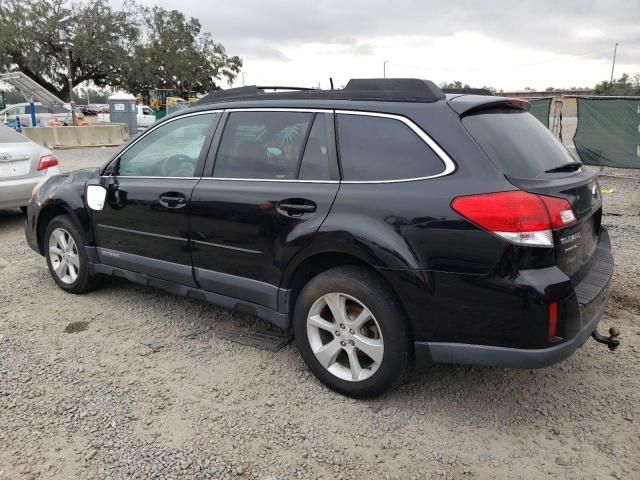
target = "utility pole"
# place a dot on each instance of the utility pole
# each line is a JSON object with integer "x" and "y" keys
{"x": 613, "y": 65}
{"x": 71, "y": 102}
{"x": 384, "y": 69}
{"x": 67, "y": 43}
{"x": 242, "y": 78}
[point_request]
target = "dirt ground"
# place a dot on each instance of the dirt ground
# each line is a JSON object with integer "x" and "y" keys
{"x": 82, "y": 397}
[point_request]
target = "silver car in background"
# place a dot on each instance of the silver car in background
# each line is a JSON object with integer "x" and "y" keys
{"x": 23, "y": 165}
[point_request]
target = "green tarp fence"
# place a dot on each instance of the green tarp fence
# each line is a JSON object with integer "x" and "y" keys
{"x": 541, "y": 108}
{"x": 608, "y": 131}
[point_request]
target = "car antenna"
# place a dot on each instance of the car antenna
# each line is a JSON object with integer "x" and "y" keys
{"x": 331, "y": 82}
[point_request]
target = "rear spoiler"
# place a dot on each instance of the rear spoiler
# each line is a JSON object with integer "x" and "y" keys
{"x": 469, "y": 91}
{"x": 468, "y": 104}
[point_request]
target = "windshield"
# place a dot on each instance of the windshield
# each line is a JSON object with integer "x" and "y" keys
{"x": 9, "y": 135}
{"x": 517, "y": 143}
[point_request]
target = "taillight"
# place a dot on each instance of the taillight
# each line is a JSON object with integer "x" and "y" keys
{"x": 47, "y": 161}
{"x": 520, "y": 217}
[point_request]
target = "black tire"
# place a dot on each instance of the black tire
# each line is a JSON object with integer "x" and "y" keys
{"x": 24, "y": 210}
{"x": 367, "y": 288}
{"x": 84, "y": 281}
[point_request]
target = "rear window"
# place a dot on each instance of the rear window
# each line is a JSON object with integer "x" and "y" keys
{"x": 516, "y": 142}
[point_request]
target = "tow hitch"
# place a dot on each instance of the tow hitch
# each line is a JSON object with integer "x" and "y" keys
{"x": 611, "y": 341}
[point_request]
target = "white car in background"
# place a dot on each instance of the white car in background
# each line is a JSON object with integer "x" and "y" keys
{"x": 43, "y": 113}
{"x": 145, "y": 117}
{"x": 23, "y": 165}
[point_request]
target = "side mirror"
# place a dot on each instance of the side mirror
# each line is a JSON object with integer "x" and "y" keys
{"x": 96, "y": 196}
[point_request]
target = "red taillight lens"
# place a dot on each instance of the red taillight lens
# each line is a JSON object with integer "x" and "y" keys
{"x": 553, "y": 320}
{"x": 560, "y": 212}
{"x": 520, "y": 217}
{"x": 47, "y": 161}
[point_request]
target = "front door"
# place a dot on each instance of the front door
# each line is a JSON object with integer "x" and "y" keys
{"x": 273, "y": 182}
{"x": 144, "y": 225}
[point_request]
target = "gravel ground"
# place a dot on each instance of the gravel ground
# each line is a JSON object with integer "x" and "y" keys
{"x": 82, "y": 397}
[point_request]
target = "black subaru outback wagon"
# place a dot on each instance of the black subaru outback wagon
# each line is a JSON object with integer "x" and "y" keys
{"x": 388, "y": 225}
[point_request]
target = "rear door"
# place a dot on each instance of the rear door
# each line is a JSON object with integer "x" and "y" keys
{"x": 533, "y": 160}
{"x": 144, "y": 226}
{"x": 269, "y": 189}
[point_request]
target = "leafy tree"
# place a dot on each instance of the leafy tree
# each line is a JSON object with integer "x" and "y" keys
{"x": 176, "y": 54}
{"x": 13, "y": 96}
{"x": 454, "y": 84}
{"x": 131, "y": 48}
{"x": 104, "y": 40}
{"x": 622, "y": 86}
{"x": 92, "y": 94}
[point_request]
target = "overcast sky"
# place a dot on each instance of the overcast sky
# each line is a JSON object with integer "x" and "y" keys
{"x": 505, "y": 44}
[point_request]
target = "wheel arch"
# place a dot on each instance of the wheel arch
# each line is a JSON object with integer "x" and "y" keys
{"x": 48, "y": 213}
{"x": 297, "y": 277}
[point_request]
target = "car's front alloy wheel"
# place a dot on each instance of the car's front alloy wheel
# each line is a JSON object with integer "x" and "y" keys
{"x": 67, "y": 260}
{"x": 63, "y": 255}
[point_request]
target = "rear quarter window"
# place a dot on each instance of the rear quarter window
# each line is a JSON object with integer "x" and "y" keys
{"x": 516, "y": 142}
{"x": 379, "y": 148}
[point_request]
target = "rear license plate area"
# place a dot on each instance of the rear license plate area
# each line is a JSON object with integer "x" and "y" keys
{"x": 15, "y": 168}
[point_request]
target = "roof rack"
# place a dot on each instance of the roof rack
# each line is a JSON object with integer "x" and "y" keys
{"x": 371, "y": 89}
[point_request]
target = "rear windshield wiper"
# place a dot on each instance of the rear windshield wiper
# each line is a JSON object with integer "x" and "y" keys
{"x": 567, "y": 167}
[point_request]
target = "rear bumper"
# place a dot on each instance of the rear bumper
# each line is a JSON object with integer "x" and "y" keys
{"x": 590, "y": 297}
{"x": 427, "y": 353}
{"x": 17, "y": 193}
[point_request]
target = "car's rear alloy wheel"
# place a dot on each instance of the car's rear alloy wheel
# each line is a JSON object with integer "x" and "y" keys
{"x": 64, "y": 257}
{"x": 352, "y": 332}
{"x": 345, "y": 337}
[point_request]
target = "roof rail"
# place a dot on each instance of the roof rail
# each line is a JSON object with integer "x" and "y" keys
{"x": 230, "y": 94}
{"x": 301, "y": 89}
{"x": 366, "y": 89}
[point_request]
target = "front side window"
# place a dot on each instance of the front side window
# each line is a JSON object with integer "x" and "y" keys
{"x": 262, "y": 145}
{"x": 171, "y": 150}
{"x": 379, "y": 148}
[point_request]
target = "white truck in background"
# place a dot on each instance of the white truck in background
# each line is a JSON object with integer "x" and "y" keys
{"x": 145, "y": 116}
